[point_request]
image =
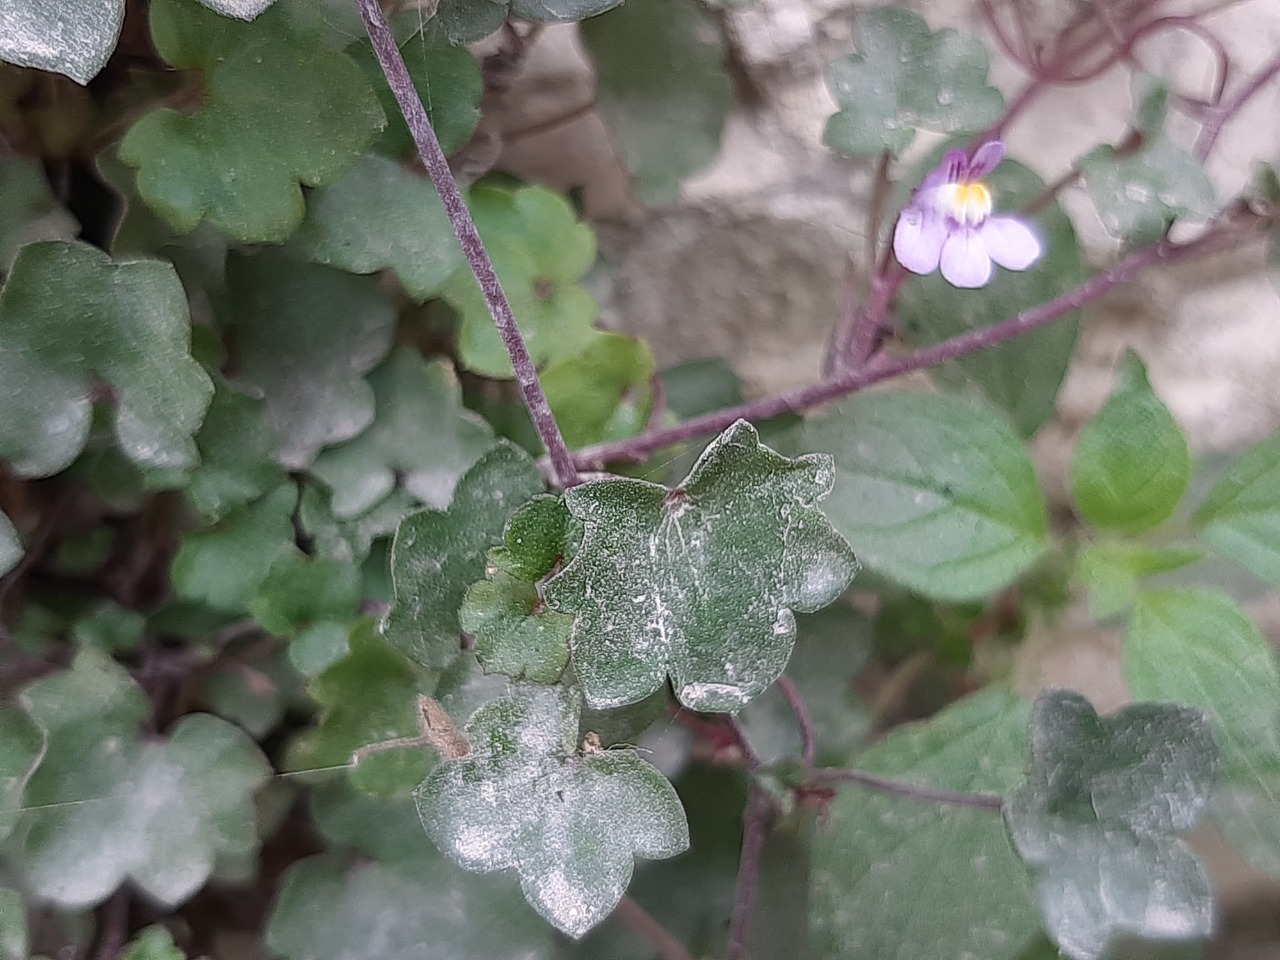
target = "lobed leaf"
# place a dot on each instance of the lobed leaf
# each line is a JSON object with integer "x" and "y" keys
{"x": 1241, "y": 515}
{"x": 569, "y": 823}
{"x": 11, "y": 548}
{"x": 22, "y": 746}
{"x": 237, "y": 446}
{"x": 71, "y": 37}
{"x": 514, "y": 632}
{"x": 590, "y": 394}
{"x": 701, "y": 581}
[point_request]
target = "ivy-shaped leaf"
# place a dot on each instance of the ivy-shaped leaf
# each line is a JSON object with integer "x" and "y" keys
{"x": 280, "y": 109}
{"x": 515, "y": 633}
{"x": 937, "y": 492}
{"x": 898, "y": 878}
{"x": 1098, "y": 820}
{"x": 1021, "y": 376}
{"x": 237, "y": 447}
{"x": 537, "y": 537}
{"x": 305, "y": 337}
{"x": 701, "y": 581}
{"x": 22, "y": 746}
{"x": 71, "y": 37}
{"x": 422, "y": 437}
{"x": 540, "y": 251}
{"x": 663, "y": 89}
{"x": 588, "y": 393}
{"x": 1132, "y": 464}
{"x": 906, "y": 78}
{"x": 28, "y": 210}
{"x": 10, "y": 545}
{"x": 115, "y": 807}
{"x": 568, "y": 822}
{"x": 437, "y": 554}
{"x": 70, "y": 315}
{"x": 1241, "y": 515}
{"x": 382, "y": 217}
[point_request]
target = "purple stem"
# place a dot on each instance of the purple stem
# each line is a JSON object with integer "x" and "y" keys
{"x": 755, "y": 818}
{"x": 846, "y": 382}
{"x": 795, "y": 700}
{"x": 437, "y": 166}
{"x": 981, "y": 801}
{"x": 1225, "y": 112}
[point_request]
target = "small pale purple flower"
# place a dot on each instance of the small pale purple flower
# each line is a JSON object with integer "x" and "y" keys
{"x": 948, "y": 223}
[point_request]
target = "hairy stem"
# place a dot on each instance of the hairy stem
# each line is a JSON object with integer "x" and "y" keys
{"x": 843, "y": 383}
{"x": 437, "y": 166}
{"x": 873, "y": 781}
{"x": 642, "y": 922}
{"x": 755, "y": 820}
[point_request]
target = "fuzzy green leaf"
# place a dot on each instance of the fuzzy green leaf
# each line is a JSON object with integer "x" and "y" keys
{"x": 907, "y": 78}
{"x": 236, "y": 444}
{"x": 70, "y": 315}
{"x": 280, "y": 110}
{"x": 588, "y": 392}
{"x": 1241, "y": 515}
{"x": 72, "y": 37}
{"x": 437, "y": 554}
{"x": 937, "y": 492}
{"x": 299, "y": 592}
{"x": 421, "y": 438}
{"x": 306, "y": 335}
{"x": 159, "y": 812}
{"x": 22, "y": 745}
{"x": 699, "y": 582}
{"x": 1098, "y": 820}
{"x": 878, "y": 858}
{"x": 1132, "y": 464}
{"x": 538, "y": 536}
{"x": 514, "y": 633}
{"x": 240, "y": 9}
{"x": 526, "y": 798}
{"x": 13, "y": 926}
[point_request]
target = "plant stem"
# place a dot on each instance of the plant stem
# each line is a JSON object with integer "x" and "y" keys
{"x": 1225, "y": 112}
{"x": 795, "y": 700}
{"x": 642, "y": 922}
{"x": 755, "y": 819}
{"x": 980, "y": 801}
{"x": 750, "y": 759}
{"x": 844, "y": 383}
{"x": 437, "y": 166}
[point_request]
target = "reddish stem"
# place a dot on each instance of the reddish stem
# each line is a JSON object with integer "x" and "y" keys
{"x": 1227, "y": 111}
{"x": 755, "y": 819}
{"x": 980, "y": 801}
{"x": 795, "y": 700}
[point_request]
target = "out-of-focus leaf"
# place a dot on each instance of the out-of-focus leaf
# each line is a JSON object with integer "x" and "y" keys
{"x": 72, "y": 37}
{"x": 280, "y": 109}
{"x": 306, "y": 335}
{"x": 13, "y": 926}
{"x": 437, "y": 554}
{"x": 465, "y": 21}
{"x": 587, "y": 392}
{"x": 1132, "y": 464}
{"x": 663, "y": 89}
{"x": 421, "y": 437}
{"x": 1241, "y": 514}
{"x": 22, "y": 745}
{"x": 906, "y": 78}
{"x": 10, "y": 545}
{"x": 302, "y": 591}
{"x": 109, "y": 626}
{"x": 896, "y": 877}
{"x": 701, "y": 582}
{"x": 935, "y": 492}
{"x": 240, "y": 9}
{"x": 60, "y": 298}
{"x": 568, "y": 822}
{"x": 114, "y": 807}
{"x": 28, "y": 211}
{"x": 1098, "y": 820}
{"x": 1112, "y": 570}
{"x": 237, "y": 447}
{"x": 153, "y": 943}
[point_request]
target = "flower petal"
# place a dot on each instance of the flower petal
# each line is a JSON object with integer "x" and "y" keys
{"x": 918, "y": 239}
{"x": 950, "y": 170}
{"x": 964, "y": 260}
{"x": 985, "y": 159}
{"x": 1010, "y": 242}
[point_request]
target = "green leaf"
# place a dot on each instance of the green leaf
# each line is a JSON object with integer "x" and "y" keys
{"x": 1132, "y": 464}
{"x": 907, "y": 78}
{"x": 1021, "y": 376}
{"x": 588, "y": 392}
{"x": 700, "y": 582}
{"x": 897, "y": 878}
{"x": 560, "y": 11}
{"x": 465, "y": 21}
{"x": 1098, "y": 820}
{"x": 663, "y": 89}
{"x": 22, "y": 746}
{"x": 446, "y": 76}
{"x": 72, "y": 37}
{"x": 62, "y": 296}
{"x": 537, "y": 537}
{"x": 301, "y": 591}
{"x": 526, "y": 798}
{"x": 11, "y": 549}
{"x": 1241, "y": 515}
{"x": 937, "y": 492}
{"x": 437, "y": 554}
{"x": 28, "y": 210}
{"x": 240, "y": 9}
{"x": 116, "y": 807}
{"x": 1112, "y": 570}
{"x": 1197, "y": 647}
{"x": 109, "y": 626}
{"x": 515, "y": 633}
{"x": 305, "y": 336}
{"x": 421, "y": 437}
{"x": 236, "y": 444}
{"x": 223, "y": 567}
{"x": 280, "y": 109}
{"x": 540, "y": 251}
{"x": 254, "y": 692}
{"x": 382, "y": 217}
{"x": 13, "y": 926}
{"x": 153, "y": 943}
